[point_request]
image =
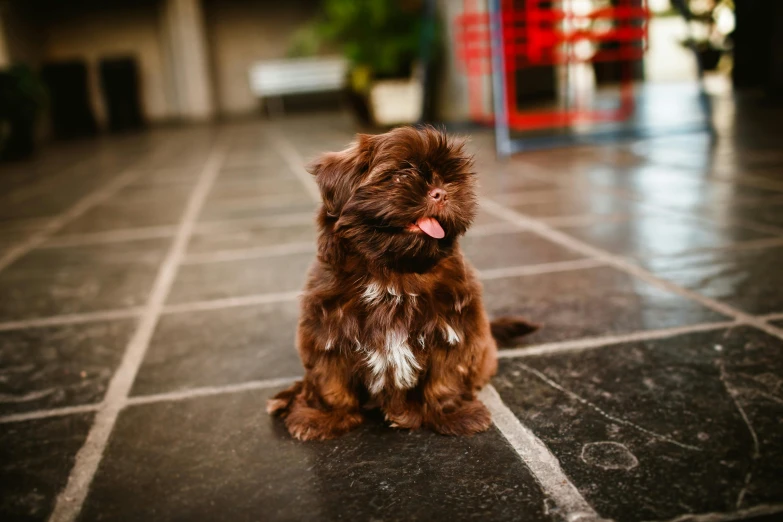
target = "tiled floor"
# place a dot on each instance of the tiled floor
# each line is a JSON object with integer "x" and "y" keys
{"x": 149, "y": 301}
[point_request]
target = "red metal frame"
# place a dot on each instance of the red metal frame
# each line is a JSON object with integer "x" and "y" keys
{"x": 539, "y": 34}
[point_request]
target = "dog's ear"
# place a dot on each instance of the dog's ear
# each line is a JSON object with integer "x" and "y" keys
{"x": 339, "y": 173}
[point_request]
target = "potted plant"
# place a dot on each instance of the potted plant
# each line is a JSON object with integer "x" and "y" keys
{"x": 711, "y": 24}
{"x": 382, "y": 40}
{"x": 22, "y": 102}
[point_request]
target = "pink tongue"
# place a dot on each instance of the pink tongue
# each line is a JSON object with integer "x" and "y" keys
{"x": 431, "y": 227}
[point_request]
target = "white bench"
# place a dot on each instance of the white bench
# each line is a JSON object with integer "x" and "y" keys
{"x": 272, "y": 79}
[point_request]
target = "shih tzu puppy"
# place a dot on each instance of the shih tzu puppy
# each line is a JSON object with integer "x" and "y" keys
{"x": 392, "y": 314}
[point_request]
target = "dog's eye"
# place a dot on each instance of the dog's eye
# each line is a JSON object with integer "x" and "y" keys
{"x": 400, "y": 177}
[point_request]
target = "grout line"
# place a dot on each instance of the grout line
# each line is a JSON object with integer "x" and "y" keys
{"x": 70, "y": 499}
{"x": 609, "y": 340}
{"x": 25, "y": 224}
{"x": 231, "y": 302}
{"x": 543, "y": 465}
{"x": 271, "y": 221}
{"x": 131, "y": 234}
{"x": 772, "y": 317}
{"x": 536, "y": 172}
{"x": 281, "y": 297}
{"x": 169, "y": 170}
{"x": 269, "y": 298}
{"x": 58, "y": 222}
{"x": 58, "y": 320}
{"x": 47, "y": 182}
{"x": 492, "y": 229}
{"x": 543, "y": 268}
{"x": 757, "y": 181}
{"x": 581, "y": 220}
{"x": 624, "y": 265}
{"x": 511, "y": 353}
{"x": 97, "y": 196}
{"x": 597, "y": 219}
{"x": 282, "y": 249}
{"x": 257, "y": 162}
{"x": 295, "y": 162}
{"x": 45, "y": 414}
{"x": 49, "y": 227}
{"x": 749, "y": 244}
{"x": 266, "y": 202}
{"x": 52, "y": 180}
{"x": 489, "y": 229}
{"x": 761, "y": 228}
{"x": 178, "y": 395}
{"x": 111, "y": 236}
{"x": 542, "y": 349}
{"x": 250, "y": 253}
{"x": 266, "y": 298}
{"x": 563, "y": 492}
{"x": 738, "y": 246}
{"x": 207, "y": 391}
{"x": 304, "y": 247}
{"x": 530, "y": 197}
{"x": 741, "y": 514}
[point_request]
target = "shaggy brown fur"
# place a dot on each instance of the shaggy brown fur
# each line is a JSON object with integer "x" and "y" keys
{"x": 392, "y": 315}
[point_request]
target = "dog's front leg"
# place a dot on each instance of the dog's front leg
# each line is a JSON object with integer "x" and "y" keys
{"x": 324, "y": 404}
{"x": 404, "y": 408}
{"x": 450, "y": 403}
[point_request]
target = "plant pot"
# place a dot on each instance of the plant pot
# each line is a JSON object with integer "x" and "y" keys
{"x": 22, "y": 100}
{"x": 396, "y": 102}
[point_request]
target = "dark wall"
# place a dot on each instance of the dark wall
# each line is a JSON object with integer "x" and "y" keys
{"x": 758, "y": 45}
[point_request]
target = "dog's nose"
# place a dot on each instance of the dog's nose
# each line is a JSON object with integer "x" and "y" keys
{"x": 438, "y": 195}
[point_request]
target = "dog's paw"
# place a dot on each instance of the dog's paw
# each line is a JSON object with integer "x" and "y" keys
{"x": 304, "y": 432}
{"x": 466, "y": 419}
{"x": 305, "y": 423}
{"x": 409, "y": 419}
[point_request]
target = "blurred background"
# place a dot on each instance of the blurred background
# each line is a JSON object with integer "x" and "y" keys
{"x": 82, "y": 68}
{"x": 157, "y": 224}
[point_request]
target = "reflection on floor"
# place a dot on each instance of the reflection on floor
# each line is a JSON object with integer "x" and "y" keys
{"x": 149, "y": 305}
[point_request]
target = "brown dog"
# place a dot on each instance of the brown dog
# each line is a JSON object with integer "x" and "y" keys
{"x": 392, "y": 315}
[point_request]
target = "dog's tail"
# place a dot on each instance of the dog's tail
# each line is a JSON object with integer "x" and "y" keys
{"x": 505, "y": 330}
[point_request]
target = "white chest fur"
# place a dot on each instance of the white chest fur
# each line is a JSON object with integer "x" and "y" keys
{"x": 394, "y": 360}
{"x": 394, "y": 363}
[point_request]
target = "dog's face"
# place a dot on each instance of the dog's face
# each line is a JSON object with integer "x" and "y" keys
{"x": 399, "y": 200}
